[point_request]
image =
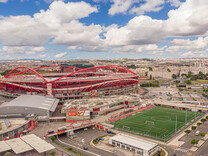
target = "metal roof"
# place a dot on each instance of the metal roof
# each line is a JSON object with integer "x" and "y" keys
{"x": 4, "y": 146}
{"x": 33, "y": 101}
{"x": 18, "y": 145}
{"x": 37, "y": 143}
{"x": 26, "y": 143}
{"x": 135, "y": 142}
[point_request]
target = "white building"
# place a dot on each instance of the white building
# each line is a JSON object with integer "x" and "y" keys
{"x": 140, "y": 146}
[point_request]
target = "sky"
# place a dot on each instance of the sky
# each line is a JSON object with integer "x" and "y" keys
{"x": 103, "y": 29}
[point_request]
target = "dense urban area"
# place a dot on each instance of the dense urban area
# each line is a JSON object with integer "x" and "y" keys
{"x": 100, "y": 107}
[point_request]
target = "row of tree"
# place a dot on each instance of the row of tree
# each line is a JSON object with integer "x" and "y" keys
{"x": 195, "y": 141}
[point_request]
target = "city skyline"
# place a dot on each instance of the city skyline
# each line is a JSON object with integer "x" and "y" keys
{"x": 103, "y": 29}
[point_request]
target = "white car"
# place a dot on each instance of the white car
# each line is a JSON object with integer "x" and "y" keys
{"x": 197, "y": 133}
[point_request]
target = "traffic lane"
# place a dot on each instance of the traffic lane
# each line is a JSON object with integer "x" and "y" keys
{"x": 168, "y": 149}
{"x": 79, "y": 144}
{"x": 74, "y": 148}
{"x": 191, "y": 136}
{"x": 202, "y": 151}
{"x": 88, "y": 136}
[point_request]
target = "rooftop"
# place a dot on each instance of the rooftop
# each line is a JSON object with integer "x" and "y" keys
{"x": 100, "y": 102}
{"x": 133, "y": 141}
{"x": 26, "y": 143}
{"x": 33, "y": 101}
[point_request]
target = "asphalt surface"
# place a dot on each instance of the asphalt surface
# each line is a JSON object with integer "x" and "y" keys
{"x": 88, "y": 136}
{"x": 203, "y": 150}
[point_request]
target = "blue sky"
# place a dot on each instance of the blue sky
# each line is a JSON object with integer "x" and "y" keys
{"x": 103, "y": 29}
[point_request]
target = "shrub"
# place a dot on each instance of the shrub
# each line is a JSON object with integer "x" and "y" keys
{"x": 202, "y": 134}
{"x": 203, "y": 120}
{"x": 194, "y": 141}
{"x": 52, "y": 152}
{"x": 187, "y": 132}
{"x": 53, "y": 138}
{"x": 199, "y": 123}
{"x": 193, "y": 127}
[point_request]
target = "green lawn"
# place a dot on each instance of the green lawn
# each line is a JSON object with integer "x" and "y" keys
{"x": 157, "y": 122}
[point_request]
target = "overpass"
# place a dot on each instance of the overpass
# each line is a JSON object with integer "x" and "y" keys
{"x": 196, "y": 106}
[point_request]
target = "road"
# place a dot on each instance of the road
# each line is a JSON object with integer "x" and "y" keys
{"x": 203, "y": 150}
{"x": 88, "y": 136}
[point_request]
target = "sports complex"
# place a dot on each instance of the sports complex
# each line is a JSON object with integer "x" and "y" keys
{"x": 66, "y": 82}
{"x": 156, "y": 122}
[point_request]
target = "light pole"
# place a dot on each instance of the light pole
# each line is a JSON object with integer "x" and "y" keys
{"x": 186, "y": 118}
{"x": 176, "y": 125}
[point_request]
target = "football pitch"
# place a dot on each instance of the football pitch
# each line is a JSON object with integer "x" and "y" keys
{"x": 157, "y": 122}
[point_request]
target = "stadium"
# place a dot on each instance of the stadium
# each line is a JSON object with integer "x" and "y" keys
{"x": 67, "y": 82}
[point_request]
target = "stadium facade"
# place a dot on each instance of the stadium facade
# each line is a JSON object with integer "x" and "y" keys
{"x": 67, "y": 82}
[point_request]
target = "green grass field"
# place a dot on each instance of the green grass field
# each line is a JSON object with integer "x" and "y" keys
{"x": 157, "y": 122}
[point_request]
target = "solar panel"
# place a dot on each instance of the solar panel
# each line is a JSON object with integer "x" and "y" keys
{"x": 7, "y": 122}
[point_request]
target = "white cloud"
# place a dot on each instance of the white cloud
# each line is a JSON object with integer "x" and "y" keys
{"x": 136, "y": 48}
{"x": 120, "y": 6}
{"x": 148, "y": 6}
{"x": 60, "y": 24}
{"x": 78, "y": 35}
{"x": 190, "y": 54}
{"x": 189, "y": 19}
{"x": 36, "y": 30}
{"x": 3, "y": 1}
{"x": 140, "y": 30}
{"x": 42, "y": 56}
{"x": 174, "y": 3}
{"x": 60, "y": 55}
{"x": 138, "y": 7}
{"x": 20, "y": 50}
{"x": 177, "y": 45}
{"x": 184, "y": 21}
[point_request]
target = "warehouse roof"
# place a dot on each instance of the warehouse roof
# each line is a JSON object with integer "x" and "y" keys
{"x": 37, "y": 143}
{"x": 33, "y": 101}
{"x": 4, "y": 147}
{"x": 26, "y": 143}
{"x": 18, "y": 146}
{"x": 135, "y": 142}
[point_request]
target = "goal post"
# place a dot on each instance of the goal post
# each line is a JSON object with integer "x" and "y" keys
{"x": 126, "y": 128}
{"x": 147, "y": 122}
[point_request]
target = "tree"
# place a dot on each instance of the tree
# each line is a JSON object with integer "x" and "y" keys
{"x": 8, "y": 154}
{"x": 202, "y": 134}
{"x": 187, "y": 132}
{"x": 199, "y": 123}
{"x": 193, "y": 127}
{"x": 190, "y": 74}
{"x": 188, "y": 82}
{"x": 194, "y": 141}
{"x": 206, "y": 117}
{"x": 174, "y": 76}
{"x": 168, "y": 70}
{"x": 53, "y": 138}
{"x": 150, "y": 68}
{"x": 5, "y": 72}
{"x": 184, "y": 75}
{"x": 52, "y": 152}
{"x": 203, "y": 120}
{"x": 151, "y": 77}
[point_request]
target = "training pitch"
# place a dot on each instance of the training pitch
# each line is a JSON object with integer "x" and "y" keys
{"x": 157, "y": 122}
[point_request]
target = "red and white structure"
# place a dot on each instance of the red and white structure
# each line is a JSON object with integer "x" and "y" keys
{"x": 65, "y": 82}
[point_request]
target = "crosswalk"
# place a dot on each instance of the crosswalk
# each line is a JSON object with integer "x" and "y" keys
{"x": 184, "y": 150}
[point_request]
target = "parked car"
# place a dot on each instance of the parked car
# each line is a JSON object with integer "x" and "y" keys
{"x": 85, "y": 148}
{"x": 197, "y": 133}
